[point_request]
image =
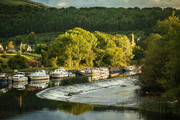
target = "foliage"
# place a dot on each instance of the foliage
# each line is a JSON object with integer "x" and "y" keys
{"x": 80, "y": 47}
{"x": 114, "y": 50}
{"x": 10, "y": 45}
{"x": 138, "y": 53}
{"x": 26, "y": 16}
{"x": 52, "y": 62}
{"x": 31, "y": 38}
{"x": 18, "y": 40}
{"x": 34, "y": 63}
{"x": 40, "y": 47}
{"x": 18, "y": 62}
{"x": 73, "y": 47}
{"x": 74, "y": 80}
{"x": 1, "y": 65}
{"x": 161, "y": 64}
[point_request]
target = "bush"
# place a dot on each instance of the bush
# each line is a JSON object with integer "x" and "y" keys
{"x": 18, "y": 62}
{"x": 34, "y": 63}
{"x": 74, "y": 80}
{"x": 3, "y": 56}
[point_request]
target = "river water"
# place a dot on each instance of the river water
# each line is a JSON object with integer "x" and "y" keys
{"x": 19, "y": 101}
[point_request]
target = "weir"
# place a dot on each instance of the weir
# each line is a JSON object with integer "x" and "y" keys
{"x": 116, "y": 92}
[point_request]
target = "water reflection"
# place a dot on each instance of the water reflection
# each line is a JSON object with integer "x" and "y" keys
{"x": 5, "y": 88}
{"x": 39, "y": 84}
{"x": 16, "y": 104}
{"x": 56, "y": 82}
{"x": 20, "y": 85}
{"x": 19, "y": 101}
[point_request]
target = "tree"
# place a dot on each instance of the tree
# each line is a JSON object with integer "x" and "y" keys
{"x": 138, "y": 53}
{"x": 74, "y": 47}
{"x": 170, "y": 28}
{"x": 31, "y": 38}
{"x": 18, "y": 40}
{"x": 10, "y": 45}
{"x": 18, "y": 62}
{"x": 161, "y": 64}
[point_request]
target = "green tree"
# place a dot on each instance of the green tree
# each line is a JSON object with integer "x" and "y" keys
{"x": 31, "y": 38}
{"x": 161, "y": 64}
{"x": 10, "y": 45}
{"x": 18, "y": 62}
{"x": 73, "y": 47}
{"x": 138, "y": 53}
{"x": 18, "y": 40}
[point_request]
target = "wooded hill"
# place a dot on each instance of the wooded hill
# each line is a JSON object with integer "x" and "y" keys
{"x": 19, "y": 17}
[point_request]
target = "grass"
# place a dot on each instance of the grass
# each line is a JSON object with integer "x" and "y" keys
{"x": 74, "y": 80}
{"x": 26, "y": 55}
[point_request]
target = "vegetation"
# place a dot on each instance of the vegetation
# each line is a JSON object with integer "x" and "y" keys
{"x": 74, "y": 80}
{"x": 40, "y": 19}
{"x": 18, "y": 62}
{"x": 161, "y": 64}
{"x": 80, "y": 47}
{"x": 159, "y": 105}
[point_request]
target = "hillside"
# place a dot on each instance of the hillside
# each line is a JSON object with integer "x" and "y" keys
{"x": 20, "y": 17}
{"x": 21, "y": 2}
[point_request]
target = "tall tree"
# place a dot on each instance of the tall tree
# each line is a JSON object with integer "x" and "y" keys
{"x": 31, "y": 38}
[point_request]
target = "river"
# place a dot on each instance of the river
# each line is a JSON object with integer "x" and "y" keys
{"x": 99, "y": 100}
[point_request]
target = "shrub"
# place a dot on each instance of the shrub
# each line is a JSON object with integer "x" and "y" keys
{"x": 74, "y": 80}
{"x": 3, "y": 56}
{"x": 34, "y": 63}
{"x": 18, "y": 62}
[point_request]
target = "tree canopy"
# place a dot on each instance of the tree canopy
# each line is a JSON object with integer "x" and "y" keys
{"x": 161, "y": 64}
{"x": 80, "y": 47}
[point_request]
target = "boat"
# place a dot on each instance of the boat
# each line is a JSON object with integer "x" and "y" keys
{"x": 3, "y": 75}
{"x": 19, "y": 76}
{"x": 104, "y": 72}
{"x": 86, "y": 72}
{"x": 4, "y": 79}
{"x": 39, "y": 75}
{"x": 61, "y": 73}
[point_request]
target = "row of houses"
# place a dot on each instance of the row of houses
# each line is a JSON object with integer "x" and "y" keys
{"x": 27, "y": 48}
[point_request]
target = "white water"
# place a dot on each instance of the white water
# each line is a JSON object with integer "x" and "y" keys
{"x": 117, "y": 91}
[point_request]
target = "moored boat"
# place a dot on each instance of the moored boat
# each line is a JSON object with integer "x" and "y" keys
{"x": 19, "y": 76}
{"x": 61, "y": 73}
{"x": 4, "y": 79}
{"x": 39, "y": 75}
{"x": 86, "y": 72}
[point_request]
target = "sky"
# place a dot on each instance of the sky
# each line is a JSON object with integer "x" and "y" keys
{"x": 111, "y": 3}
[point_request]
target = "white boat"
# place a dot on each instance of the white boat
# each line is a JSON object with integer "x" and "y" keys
{"x": 3, "y": 75}
{"x": 19, "y": 76}
{"x": 60, "y": 73}
{"x": 86, "y": 72}
{"x": 39, "y": 75}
